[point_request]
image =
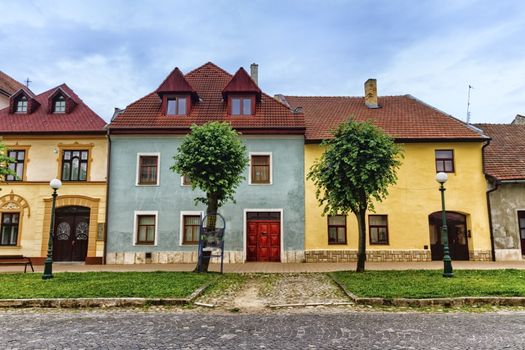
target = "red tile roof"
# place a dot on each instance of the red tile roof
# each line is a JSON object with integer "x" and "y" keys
{"x": 402, "y": 117}
{"x": 504, "y": 157}
{"x": 241, "y": 83}
{"x": 209, "y": 81}
{"x": 80, "y": 119}
{"x": 9, "y": 85}
{"x": 175, "y": 82}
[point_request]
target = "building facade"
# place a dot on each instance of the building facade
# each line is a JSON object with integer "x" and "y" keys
{"x": 152, "y": 213}
{"x": 504, "y": 160}
{"x": 406, "y": 225}
{"x": 53, "y": 135}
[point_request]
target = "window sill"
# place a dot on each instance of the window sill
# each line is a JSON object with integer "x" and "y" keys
{"x": 145, "y": 245}
{"x": 379, "y": 244}
{"x": 338, "y": 243}
{"x": 147, "y": 185}
{"x": 189, "y": 244}
{"x": 260, "y": 184}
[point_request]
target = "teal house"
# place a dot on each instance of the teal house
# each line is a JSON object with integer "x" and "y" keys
{"x": 152, "y": 216}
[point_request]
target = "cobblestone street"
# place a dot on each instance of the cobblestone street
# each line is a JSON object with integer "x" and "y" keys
{"x": 132, "y": 329}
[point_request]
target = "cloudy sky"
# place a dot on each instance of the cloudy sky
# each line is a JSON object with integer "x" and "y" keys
{"x": 113, "y": 52}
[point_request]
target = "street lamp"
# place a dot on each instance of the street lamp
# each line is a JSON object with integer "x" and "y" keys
{"x": 48, "y": 264}
{"x": 447, "y": 262}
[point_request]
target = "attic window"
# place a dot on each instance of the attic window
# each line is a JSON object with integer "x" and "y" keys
{"x": 59, "y": 104}
{"x": 177, "y": 105}
{"x": 242, "y": 105}
{"x": 21, "y": 105}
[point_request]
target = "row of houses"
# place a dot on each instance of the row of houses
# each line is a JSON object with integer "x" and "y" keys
{"x": 121, "y": 203}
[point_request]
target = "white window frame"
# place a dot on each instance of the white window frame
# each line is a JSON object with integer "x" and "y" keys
{"x": 245, "y": 230}
{"x": 135, "y": 226}
{"x": 181, "y": 229}
{"x": 250, "y": 168}
{"x": 137, "y": 174}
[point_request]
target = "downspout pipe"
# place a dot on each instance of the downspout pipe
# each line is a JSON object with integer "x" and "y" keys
{"x": 495, "y": 186}
{"x": 108, "y": 170}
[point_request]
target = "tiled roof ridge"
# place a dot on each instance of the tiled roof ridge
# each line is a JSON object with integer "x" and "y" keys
{"x": 337, "y": 96}
{"x": 209, "y": 63}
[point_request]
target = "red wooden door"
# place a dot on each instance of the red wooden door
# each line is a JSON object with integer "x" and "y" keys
{"x": 264, "y": 241}
{"x": 521, "y": 224}
{"x": 70, "y": 241}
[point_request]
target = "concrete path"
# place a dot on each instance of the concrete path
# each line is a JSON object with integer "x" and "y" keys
{"x": 278, "y": 267}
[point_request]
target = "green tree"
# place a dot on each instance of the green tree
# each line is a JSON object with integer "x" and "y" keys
{"x": 356, "y": 168}
{"x": 4, "y": 162}
{"x": 214, "y": 158}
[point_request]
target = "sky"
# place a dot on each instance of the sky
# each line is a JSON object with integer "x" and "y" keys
{"x": 113, "y": 52}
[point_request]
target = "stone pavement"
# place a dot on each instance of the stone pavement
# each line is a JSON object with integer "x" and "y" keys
{"x": 279, "y": 267}
{"x": 132, "y": 329}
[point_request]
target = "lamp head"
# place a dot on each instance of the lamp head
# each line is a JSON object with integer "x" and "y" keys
{"x": 55, "y": 184}
{"x": 441, "y": 177}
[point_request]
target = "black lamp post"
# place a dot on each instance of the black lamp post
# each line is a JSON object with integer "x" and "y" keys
{"x": 447, "y": 261}
{"x": 48, "y": 264}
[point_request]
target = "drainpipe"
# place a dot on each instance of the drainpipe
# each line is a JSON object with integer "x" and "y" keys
{"x": 495, "y": 185}
{"x": 108, "y": 164}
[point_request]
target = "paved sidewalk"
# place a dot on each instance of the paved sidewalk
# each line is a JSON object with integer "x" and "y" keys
{"x": 278, "y": 267}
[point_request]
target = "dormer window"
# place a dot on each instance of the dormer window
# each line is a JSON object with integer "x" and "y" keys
{"x": 21, "y": 105}
{"x": 177, "y": 105}
{"x": 59, "y": 104}
{"x": 242, "y": 105}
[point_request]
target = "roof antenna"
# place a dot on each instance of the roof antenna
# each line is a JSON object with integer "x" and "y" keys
{"x": 468, "y": 103}
{"x": 27, "y": 81}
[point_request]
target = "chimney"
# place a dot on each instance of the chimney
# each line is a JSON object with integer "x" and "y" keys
{"x": 254, "y": 72}
{"x": 520, "y": 120}
{"x": 371, "y": 93}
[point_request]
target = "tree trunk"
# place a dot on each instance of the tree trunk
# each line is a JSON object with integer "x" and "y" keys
{"x": 361, "y": 252}
{"x": 211, "y": 210}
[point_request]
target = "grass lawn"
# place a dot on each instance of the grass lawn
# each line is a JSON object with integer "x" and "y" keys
{"x": 102, "y": 284}
{"x": 431, "y": 284}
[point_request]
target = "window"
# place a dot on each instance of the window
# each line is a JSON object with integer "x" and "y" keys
{"x": 521, "y": 224}
{"x": 191, "y": 229}
{"x": 445, "y": 161}
{"x": 337, "y": 229}
{"x": 74, "y": 165}
{"x": 21, "y": 105}
{"x": 148, "y": 170}
{"x": 17, "y": 166}
{"x": 9, "y": 229}
{"x": 378, "y": 229}
{"x": 146, "y": 228}
{"x": 59, "y": 105}
{"x": 176, "y": 105}
{"x": 185, "y": 180}
{"x": 260, "y": 169}
{"x": 241, "y": 105}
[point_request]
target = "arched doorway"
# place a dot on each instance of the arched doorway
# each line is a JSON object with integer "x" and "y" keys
{"x": 70, "y": 242}
{"x": 457, "y": 236}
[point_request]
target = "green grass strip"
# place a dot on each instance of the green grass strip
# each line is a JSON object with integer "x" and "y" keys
{"x": 103, "y": 285}
{"x": 431, "y": 284}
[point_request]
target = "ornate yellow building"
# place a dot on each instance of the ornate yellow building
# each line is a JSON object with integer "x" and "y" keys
{"x": 53, "y": 135}
{"x": 405, "y": 226}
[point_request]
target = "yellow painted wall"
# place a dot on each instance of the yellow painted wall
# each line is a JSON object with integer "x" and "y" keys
{"x": 43, "y": 164}
{"x": 412, "y": 199}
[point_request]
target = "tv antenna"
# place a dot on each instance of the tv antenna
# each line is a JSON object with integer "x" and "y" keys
{"x": 468, "y": 103}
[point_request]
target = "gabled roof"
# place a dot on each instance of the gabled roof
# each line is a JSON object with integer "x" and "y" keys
{"x": 504, "y": 157}
{"x": 175, "y": 82}
{"x": 402, "y": 117}
{"x": 241, "y": 82}
{"x": 209, "y": 80}
{"x": 80, "y": 119}
{"x": 9, "y": 85}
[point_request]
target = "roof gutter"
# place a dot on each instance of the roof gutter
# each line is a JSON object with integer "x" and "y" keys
{"x": 495, "y": 185}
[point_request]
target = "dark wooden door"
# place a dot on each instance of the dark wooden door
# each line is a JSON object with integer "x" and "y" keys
{"x": 264, "y": 241}
{"x": 521, "y": 225}
{"x": 70, "y": 241}
{"x": 457, "y": 236}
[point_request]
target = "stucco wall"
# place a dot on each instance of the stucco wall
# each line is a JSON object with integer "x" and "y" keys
{"x": 505, "y": 203}
{"x": 412, "y": 199}
{"x": 170, "y": 198}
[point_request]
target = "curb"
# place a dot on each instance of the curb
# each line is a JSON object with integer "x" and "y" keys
{"x": 100, "y": 302}
{"x": 446, "y": 302}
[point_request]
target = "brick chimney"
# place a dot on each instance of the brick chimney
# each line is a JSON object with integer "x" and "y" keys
{"x": 371, "y": 93}
{"x": 254, "y": 72}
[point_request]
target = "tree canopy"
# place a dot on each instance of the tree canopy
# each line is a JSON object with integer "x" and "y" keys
{"x": 4, "y": 162}
{"x": 357, "y": 167}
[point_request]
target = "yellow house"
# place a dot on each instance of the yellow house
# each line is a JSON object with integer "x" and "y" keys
{"x": 405, "y": 226}
{"x": 53, "y": 135}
